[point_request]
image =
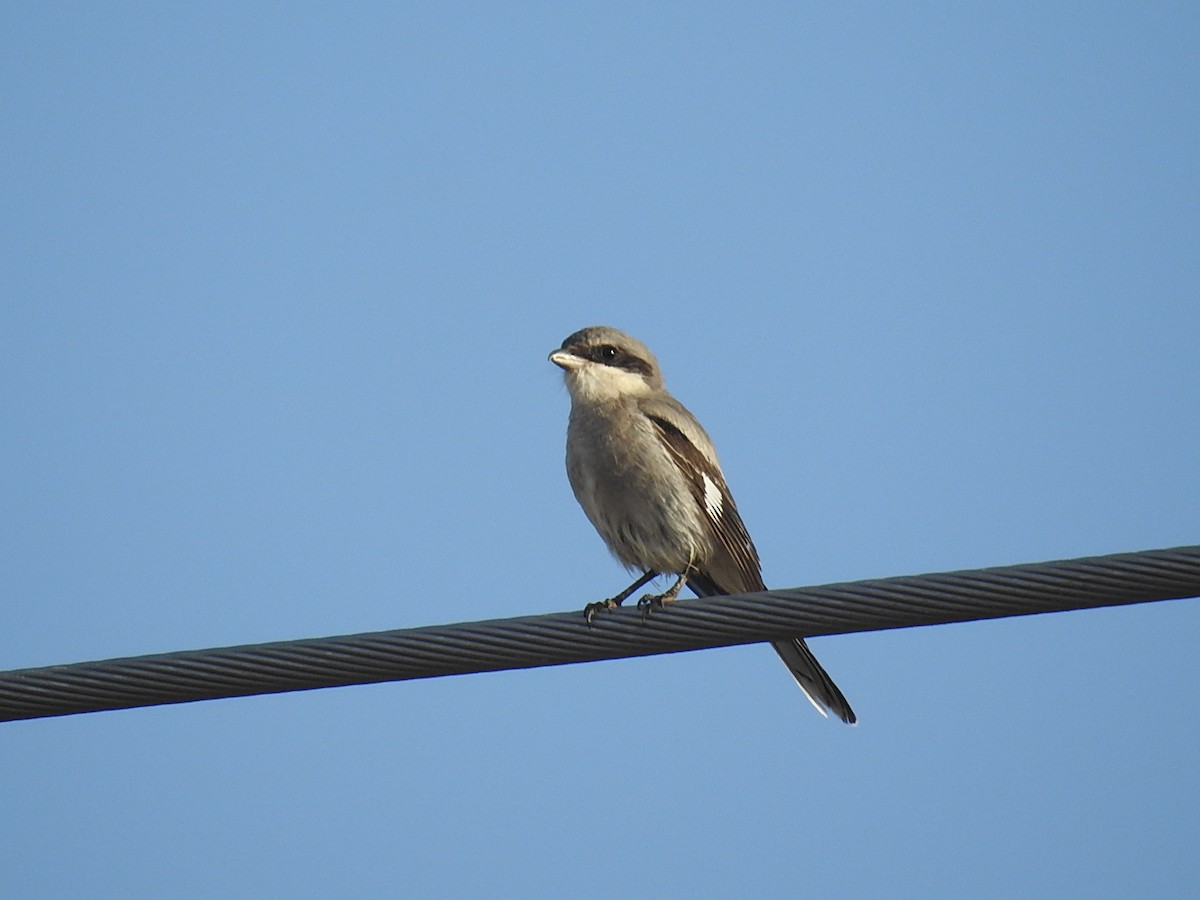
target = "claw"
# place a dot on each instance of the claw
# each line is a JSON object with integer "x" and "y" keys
{"x": 589, "y": 611}
{"x": 647, "y": 603}
{"x": 650, "y": 602}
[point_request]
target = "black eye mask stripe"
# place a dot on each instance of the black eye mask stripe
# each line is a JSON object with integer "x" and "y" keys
{"x": 621, "y": 360}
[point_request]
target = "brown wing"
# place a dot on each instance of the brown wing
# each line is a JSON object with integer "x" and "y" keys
{"x": 735, "y": 566}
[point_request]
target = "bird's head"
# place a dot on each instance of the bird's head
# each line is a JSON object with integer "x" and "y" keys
{"x": 604, "y": 364}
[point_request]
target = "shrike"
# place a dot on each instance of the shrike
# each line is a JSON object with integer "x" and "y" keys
{"x": 646, "y": 474}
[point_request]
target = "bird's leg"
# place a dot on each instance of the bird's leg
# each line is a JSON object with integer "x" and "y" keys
{"x": 651, "y": 602}
{"x": 589, "y": 611}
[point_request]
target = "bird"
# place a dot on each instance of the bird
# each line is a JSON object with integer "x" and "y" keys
{"x": 646, "y": 474}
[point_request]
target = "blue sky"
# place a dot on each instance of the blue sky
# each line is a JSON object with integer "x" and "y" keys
{"x": 279, "y": 281}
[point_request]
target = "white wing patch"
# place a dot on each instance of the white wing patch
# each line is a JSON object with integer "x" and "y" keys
{"x": 712, "y": 498}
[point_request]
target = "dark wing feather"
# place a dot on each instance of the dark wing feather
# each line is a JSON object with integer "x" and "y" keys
{"x": 734, "y": 567}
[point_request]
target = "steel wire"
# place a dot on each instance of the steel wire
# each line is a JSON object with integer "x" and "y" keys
{"x": 562, "y": 638}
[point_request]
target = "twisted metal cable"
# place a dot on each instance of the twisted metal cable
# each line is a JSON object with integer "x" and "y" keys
{"x": 562, "y": 638}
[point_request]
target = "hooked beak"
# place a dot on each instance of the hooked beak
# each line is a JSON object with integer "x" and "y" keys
{"x": 565, "y": 360}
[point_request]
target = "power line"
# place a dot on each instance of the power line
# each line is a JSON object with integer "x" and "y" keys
{"x": 561, "y": 638}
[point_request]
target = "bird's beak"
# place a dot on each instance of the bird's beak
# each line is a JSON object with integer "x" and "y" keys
{"x": 566, "y": 360}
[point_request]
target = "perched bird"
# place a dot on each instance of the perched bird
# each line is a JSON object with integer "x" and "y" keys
{"x": 647, "y": 475}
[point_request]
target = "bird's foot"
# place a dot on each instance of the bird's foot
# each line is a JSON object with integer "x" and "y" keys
{"x": 650, "y": 602}
{"x": 589, "y": 611}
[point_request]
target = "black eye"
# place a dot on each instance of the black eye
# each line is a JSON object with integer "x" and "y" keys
{"x": 607, "y": 353}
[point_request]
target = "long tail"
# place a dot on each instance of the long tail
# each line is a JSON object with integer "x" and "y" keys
{"x": 818, "y": 687}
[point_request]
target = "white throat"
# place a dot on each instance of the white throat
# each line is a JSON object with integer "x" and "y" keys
{"x": 594, "y": 383}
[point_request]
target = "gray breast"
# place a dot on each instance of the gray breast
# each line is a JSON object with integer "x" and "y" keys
{"x": 633, "y": 493}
